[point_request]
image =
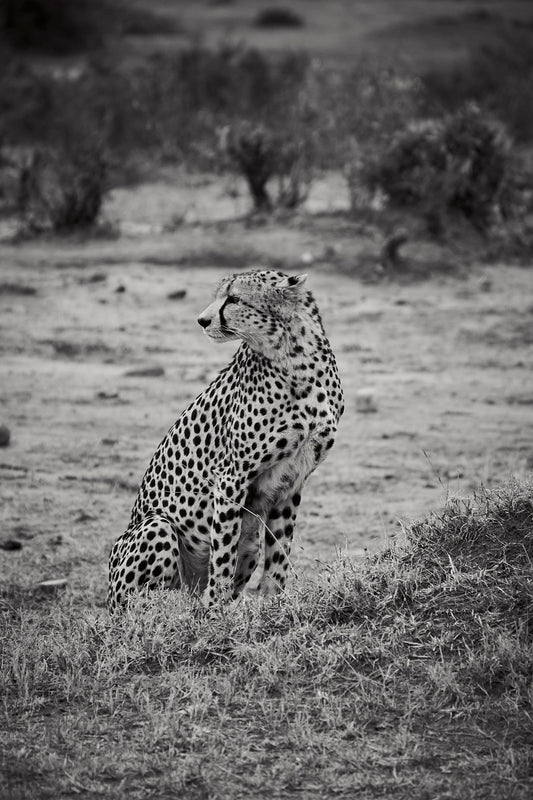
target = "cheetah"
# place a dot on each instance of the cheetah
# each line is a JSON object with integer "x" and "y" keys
{"x": 219, "y": 499}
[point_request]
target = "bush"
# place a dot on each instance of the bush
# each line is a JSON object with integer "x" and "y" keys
{"x": 363, "y": 107}
{"x": 168, "y": 108}
{"x": 187, "y": 98}
{"x": 66, "y": 26}
{"x": 253, "y": 153}
{"x": 52, "y": 25}
{"x": 61, "y": 190}
{"x": 260, "y": 155}
{"x": 498, "y": 77}
{"x": 460, "y": 164}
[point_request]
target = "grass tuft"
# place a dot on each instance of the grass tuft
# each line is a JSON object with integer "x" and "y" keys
{"x": 406, "y": 675}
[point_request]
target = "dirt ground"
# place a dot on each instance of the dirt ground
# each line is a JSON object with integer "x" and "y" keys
{"x": 445, "y": 362}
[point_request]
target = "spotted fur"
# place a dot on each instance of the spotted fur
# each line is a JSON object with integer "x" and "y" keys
{"x": 219, "y": 499}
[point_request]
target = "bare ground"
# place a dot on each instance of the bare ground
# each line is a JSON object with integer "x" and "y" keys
{"x": 447, "y": 362}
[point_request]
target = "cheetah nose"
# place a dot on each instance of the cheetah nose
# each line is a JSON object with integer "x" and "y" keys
{"x": 204, "y": 322}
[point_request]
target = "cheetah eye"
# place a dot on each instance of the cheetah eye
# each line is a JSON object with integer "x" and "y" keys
{"x": 232, "y": 299}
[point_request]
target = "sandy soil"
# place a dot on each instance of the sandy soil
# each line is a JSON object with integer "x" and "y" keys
{"x": 446, "y": 361}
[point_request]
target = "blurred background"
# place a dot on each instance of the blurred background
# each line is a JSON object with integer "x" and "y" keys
{"x": 364, "y": 106}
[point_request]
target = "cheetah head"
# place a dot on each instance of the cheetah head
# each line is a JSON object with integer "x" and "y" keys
{"x": 254, "y": 306}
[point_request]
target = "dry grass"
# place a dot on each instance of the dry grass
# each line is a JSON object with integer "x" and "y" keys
{"x": 406, "y": 676}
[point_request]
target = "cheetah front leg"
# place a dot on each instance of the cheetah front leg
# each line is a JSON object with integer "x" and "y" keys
{"x": 281, "y": 519}
{"x": 279, "y": 532}
{"x": 225, "y": 534}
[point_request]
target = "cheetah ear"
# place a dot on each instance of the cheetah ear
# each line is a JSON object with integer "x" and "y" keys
{"x": 292, "y": 281}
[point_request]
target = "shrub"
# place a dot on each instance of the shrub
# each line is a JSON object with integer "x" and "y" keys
{"x": 51, "y": 25}
{"x": 65, "y": 26}
{"x": 238, "y": 82}
{"x": 261, "y": 155}
{"x": 253, "y": 153}
{"x": 479, "y": 161}
{"x": 187, "y": 98}
{"x": 497, "y": 76}
{"x": 168, "y": 108}
{"x": 278, "y": 18}
{"x": 294, "y": 175}
{"x": 460, "y": 164}
{"x": 61, "y": 190}
{"x": 363, "y": 107}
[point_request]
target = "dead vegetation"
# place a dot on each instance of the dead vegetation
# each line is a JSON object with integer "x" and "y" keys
{"x": 409, "y": 674}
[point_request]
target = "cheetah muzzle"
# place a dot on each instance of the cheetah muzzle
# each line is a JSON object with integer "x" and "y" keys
{"x": 219, "y": 499}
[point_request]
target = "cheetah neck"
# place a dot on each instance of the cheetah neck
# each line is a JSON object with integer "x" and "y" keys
{"x": 297, "y": 351}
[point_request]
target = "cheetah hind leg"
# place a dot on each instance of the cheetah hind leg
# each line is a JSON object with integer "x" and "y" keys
{"x": 250, "y": 554}
{"x": 146, "y": 556}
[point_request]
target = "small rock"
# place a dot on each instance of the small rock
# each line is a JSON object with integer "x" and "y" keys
{"x": 17, "y": 289}
{"x": 11, "y": 544}
{"x": 109, "y": 442}
{"x": 5, "y": 436}
{"x": 179, "y": 294}
{"x": 120, "y": 288}
{"x": 330, "y": 251}
{"x": 520, "y": 399}
{"x": 96, "y": 277}
{"x": 365, "y": 402}
{"x": 83, "y": 516}
{"x": 107, "y": 395}
{"x": 23, "y": 532}
{"x": 52, "y": 585}
{"x": 145, "y": 372}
